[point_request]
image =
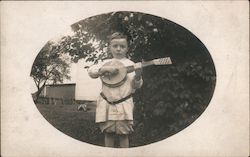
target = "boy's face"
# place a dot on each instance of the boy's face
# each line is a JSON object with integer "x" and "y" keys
{"x": 119, "y": 48}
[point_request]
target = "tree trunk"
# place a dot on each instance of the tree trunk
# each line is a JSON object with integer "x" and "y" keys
{"x": 39, "y": 92}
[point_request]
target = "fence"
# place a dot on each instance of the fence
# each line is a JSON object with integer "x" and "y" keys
{"x": 55, "y": 101}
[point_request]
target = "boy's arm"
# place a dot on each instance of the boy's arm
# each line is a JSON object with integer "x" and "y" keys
{"x": 137, "y": 81}
{"x": 98, "y": 70}
{"x": 93, "y": 71}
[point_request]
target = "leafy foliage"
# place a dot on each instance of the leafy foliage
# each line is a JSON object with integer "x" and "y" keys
{"x": 172, "y": 97}
{"x": 49, "y": 67}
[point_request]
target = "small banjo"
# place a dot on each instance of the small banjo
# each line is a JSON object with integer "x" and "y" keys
{"x": 117, "y": 79}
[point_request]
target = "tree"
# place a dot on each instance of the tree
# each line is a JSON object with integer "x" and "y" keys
{"x": 182, "y": 91}
{"x": 172, "y": 96}
{"x": 50, "y": 66}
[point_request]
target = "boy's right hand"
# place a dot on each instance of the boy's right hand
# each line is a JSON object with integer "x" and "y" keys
{"x": 108, "y": 70}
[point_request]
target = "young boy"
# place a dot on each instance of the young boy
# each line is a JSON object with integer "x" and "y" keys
{"x": 114, "y": 111}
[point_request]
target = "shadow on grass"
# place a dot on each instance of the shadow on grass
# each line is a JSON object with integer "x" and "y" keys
{"x": 81, "y": 125}
{"x": 76, "y": 124}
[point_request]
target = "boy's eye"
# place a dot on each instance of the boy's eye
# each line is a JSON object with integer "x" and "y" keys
{"x": 121, "y": 46}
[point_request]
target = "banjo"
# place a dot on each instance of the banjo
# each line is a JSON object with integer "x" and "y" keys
{"x": 117, "y": 79}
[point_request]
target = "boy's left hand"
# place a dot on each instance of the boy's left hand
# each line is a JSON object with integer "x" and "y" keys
{"x": 138, "y": 73}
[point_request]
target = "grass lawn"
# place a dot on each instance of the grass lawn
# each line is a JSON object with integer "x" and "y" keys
{"x": 77, "y": 124}
{"x": 81, "y": 125}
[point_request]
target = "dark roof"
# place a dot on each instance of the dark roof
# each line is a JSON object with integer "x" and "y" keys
{"x": 67, "y": 84}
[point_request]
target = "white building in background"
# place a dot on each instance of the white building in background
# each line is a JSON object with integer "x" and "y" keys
{"x": 86, "y": 87}
{"x": 80, "y": 87}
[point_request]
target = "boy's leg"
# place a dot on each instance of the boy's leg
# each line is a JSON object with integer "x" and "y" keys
{"x": 109, "y": 139}
{"x": 124, "y": 143}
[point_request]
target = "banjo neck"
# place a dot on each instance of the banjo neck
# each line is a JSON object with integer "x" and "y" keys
{"x": 132, "y": 68}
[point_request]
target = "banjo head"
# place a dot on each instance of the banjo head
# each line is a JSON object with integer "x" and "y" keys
{"x": 117, "y": 79}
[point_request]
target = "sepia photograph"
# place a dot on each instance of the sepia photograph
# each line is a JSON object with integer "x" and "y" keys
{"x": 135, "y": 79}
{"x": 124, "y": 78}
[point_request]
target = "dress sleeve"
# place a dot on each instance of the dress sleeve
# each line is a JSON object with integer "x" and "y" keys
{"x": 93, "y": 71}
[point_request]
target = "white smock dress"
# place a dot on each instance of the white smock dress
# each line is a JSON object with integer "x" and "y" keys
{"x": 116, "y": 118}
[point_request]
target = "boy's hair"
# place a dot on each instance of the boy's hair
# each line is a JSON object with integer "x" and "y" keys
{"x": 117, "y": 35}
